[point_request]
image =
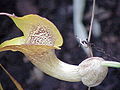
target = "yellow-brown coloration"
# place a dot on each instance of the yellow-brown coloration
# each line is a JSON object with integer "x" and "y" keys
{"x": 40, "y": 35}
{"x": 1, "y": 88}
{"x": 41, "y": 38}
{"x": 19, "y": 87}
{"x": 37, "y": 30}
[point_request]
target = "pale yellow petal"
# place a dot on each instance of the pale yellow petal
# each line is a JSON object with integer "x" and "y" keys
{"x": 14, "y": 41}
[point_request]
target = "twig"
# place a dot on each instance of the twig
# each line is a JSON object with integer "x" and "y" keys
{"x": 92, "y": 18}
{"x": 90, "y": 31}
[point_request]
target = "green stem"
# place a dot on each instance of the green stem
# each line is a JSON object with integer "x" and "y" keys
{"x": 111, "y": 64}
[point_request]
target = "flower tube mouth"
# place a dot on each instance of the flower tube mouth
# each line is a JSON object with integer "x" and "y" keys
{"x": 36, "y": 31}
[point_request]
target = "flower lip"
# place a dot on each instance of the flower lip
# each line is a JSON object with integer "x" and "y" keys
{"x": 43, "y": 33}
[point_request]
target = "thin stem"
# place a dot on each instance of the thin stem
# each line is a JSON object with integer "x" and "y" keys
{"x": 90, "y": 31}
{"x": 88, "y": 88}
{"x": 91, "y": 23}
{"x": 90, "y": 52}
{"x": 14, "y": 81}
{"x": 111, "y": 64}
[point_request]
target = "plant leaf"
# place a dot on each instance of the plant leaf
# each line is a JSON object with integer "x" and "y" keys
{"x": 1, "y": 88}
{"x": 14, "y": 81}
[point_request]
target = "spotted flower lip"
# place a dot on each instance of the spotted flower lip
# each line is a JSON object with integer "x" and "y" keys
{"x": 37, "y": 31}
{"x": 39, "y": 41}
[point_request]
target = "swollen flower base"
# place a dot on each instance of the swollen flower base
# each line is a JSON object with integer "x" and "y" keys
{"x": 40, "y": 39}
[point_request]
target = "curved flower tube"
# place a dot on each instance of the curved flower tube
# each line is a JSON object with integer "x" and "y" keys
{"x": 40, "y": 39}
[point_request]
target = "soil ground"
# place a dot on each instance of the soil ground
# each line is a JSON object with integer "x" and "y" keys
{"x": 60, "y": 12}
